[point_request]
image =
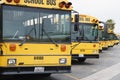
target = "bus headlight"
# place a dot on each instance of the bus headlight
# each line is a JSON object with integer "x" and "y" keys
{"x": 62, "y": 61}
{"x": 11, "y": 61}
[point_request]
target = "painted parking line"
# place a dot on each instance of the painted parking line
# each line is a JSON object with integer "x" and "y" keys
{"x": 105, "y": 74}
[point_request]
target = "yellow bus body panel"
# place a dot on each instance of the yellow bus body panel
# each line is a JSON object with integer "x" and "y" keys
{"x": 104, "y": 44}
{"x": 111, "y": 43}
{"x": 100, "y": 45}
{"x": 35, "y": 54}
{"x": 34, "y": 49}
{"x": 85, "y": 48}
{"x": 32, "y": 61}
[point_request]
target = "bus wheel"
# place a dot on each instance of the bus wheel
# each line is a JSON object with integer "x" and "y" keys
{"x": 81, "y": 60}
{"x": 46, "y": 75}
{"x": 100, "y": 51}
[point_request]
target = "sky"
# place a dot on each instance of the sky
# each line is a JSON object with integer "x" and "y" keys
{"x": 101, "y": 9}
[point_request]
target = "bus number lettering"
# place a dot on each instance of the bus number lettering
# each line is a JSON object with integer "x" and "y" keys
{"x": 34, "y": 1}
{"x": 51, "y": 2}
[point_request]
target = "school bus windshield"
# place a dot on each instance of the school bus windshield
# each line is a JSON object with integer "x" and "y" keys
{"x": 112, "y": 36}
{"x": 32, "y": 23}
{"x": 87, "y": 32}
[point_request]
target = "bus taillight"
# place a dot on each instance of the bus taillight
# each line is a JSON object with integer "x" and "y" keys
{"x": 16, "y": 1}
{"x": 9, "y": 1}
{"x": 67, "y": 5}
{"x": 62, "y": 4}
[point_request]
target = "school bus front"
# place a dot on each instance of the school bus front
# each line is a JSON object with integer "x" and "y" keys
{"x": 85, "y": 40}
{"x": 35, "y": 37}
{"x": 102, "y": 39}
{"x": 116, "y": 40}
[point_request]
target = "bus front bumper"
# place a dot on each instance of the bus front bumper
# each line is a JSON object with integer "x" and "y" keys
{"x": 76, "y": 56}
{"x": 31, "y": 70}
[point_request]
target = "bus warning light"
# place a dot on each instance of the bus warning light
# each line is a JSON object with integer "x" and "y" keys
{"x": 67, "y": 5}
{"x": 62, "y": 4}
{"x": 16, "y": 1}
{"x": 9, "y": 1}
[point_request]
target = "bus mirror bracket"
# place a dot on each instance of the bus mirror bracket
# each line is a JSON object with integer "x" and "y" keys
{"x": 76, "y": 26}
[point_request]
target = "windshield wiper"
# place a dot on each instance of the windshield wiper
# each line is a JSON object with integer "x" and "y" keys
{"x": 43, "y": 30}
{"x": 15, "y": 34}
{"x": 34, "y": 28}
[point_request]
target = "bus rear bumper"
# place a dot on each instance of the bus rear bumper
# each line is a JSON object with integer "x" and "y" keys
{"x": 31, "y": 70}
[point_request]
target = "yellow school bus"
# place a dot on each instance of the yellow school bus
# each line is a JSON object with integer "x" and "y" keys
{"x": 118, "y": 36}
{"x": 85, "y": 39}
{"x": 116, "y": 39}
{"x": 102, "y": 40}
{"x": 107, "y": 36}
{"x": 100, "y": 35}
{"x": 111, "y": 37}
{"x": 35, "y": 37}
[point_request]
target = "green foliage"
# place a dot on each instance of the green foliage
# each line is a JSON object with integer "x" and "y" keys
{"x": 110, "y": 21}
{"x": 110, "y": 24}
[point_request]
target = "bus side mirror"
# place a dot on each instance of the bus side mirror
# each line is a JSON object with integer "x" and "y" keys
{"x": 76, "y": 26}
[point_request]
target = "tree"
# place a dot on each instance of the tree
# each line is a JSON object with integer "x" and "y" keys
{"x": 110, "y": 24}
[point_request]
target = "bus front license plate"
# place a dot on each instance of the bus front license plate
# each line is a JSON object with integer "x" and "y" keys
{"x": 39, "y": 69}
{"x": 81, "y": 55}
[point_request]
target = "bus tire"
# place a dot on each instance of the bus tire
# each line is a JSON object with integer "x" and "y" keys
{"x": 100, "y": 51}
{"x": 81, "y": 60}
{"x": 46, "y": 75}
